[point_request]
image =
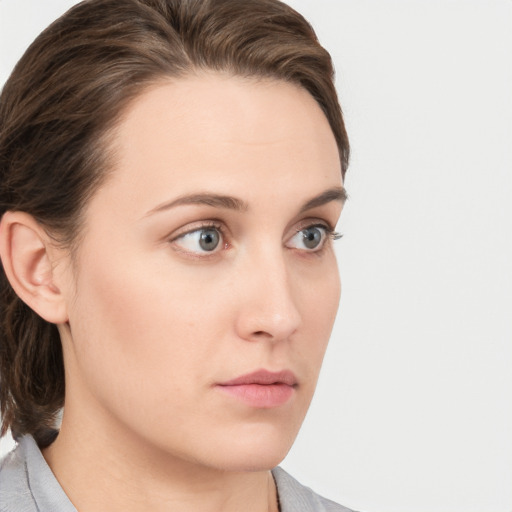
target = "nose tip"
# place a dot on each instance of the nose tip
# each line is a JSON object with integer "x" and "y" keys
{"x": 268, "y": 309}
{"x": 275, "y": 327}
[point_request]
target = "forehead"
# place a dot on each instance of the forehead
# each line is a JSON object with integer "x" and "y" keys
{"x": 223, "y": 131}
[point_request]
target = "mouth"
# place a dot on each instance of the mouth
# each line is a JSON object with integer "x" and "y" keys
{"x": 262, "y": 389}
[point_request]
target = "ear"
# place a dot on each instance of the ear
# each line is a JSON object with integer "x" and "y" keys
{"x": 29, "y": 261}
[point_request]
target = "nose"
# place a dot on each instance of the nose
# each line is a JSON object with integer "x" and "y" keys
{"x": 267, "y": 308}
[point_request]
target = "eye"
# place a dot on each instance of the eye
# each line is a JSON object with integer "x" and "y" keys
{"x": 311, "y": 238}
{"x": 205, "y": 239}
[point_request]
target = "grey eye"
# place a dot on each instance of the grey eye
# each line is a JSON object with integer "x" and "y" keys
{"x": 312, "y": 237}
{"x": 209, "y": 239}
{"x": 201, "y": 240}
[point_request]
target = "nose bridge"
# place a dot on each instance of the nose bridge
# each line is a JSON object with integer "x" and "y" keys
{"x": 268, "y": 307}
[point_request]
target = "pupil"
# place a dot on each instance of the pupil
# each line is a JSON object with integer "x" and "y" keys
{"x": 209, "y": 239}
{"x": 312, "y": 237}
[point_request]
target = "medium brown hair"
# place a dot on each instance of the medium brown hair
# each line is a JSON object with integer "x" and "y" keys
{"x": 65, "y": 95}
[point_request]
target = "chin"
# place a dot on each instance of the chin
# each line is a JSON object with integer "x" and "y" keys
{"x": 257, "y": 449}
{"x": 250, "y": 460}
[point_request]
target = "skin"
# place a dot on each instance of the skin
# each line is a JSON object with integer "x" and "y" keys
{"x": 152, "y": 322}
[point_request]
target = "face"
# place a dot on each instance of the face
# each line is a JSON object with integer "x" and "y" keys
{"x": 205, "y": 287}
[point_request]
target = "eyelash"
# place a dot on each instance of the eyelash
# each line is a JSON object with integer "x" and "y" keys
{"x": 330, "y": 234}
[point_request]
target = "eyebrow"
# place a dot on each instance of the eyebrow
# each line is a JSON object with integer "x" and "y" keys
{"x": 332, "y": 194}
{"x": 215, "y": 200}
{"x": 234, "y": 203}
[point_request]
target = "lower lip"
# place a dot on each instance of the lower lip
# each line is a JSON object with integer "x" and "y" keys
{"x": 263, "y": 396}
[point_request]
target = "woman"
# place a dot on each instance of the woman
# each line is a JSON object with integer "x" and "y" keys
{"x": 172, "y": 173}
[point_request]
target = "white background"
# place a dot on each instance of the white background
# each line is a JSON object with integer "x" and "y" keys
{"x": 414, "y": 407}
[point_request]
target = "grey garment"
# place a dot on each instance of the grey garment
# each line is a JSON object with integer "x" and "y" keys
{"x": 294, "y": 497}
{"x": 27, "y": 484}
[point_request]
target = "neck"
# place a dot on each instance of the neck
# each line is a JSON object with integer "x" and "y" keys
{"x": 130, "y": 475}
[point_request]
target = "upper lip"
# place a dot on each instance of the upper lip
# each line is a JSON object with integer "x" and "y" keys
{"x": 263, "y": 377}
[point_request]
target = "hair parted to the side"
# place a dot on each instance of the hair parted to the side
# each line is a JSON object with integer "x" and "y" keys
{"x": 57, "y": 108}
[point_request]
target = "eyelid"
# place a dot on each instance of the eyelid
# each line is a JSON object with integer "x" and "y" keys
{"x": 195, "y": 226}
{"x": 317, "y": 223}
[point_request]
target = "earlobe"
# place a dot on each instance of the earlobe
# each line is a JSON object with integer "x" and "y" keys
{"x": 27, "y": 258}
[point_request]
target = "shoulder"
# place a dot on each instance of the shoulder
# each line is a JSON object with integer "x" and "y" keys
{"x": 27, "y": 484}
{"x": 15, "y": 494}
{"x": 294, "y": 497}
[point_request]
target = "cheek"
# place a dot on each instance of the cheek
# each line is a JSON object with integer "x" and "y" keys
{"x": 140, "y": 333}
{"x": 318, "y": 300}
{"x": 319, "y": 294}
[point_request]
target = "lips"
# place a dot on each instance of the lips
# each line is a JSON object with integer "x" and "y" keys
{"x": 261, "y": 389}
{"x": 264, "y": 377}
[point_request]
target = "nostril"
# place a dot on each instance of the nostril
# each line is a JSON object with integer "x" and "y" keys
{"x": 262, "y": 334}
